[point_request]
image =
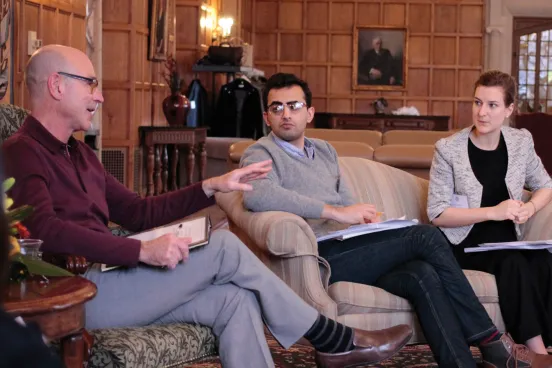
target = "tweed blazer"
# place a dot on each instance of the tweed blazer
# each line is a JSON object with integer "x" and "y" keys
{"x": 451, "y": 173}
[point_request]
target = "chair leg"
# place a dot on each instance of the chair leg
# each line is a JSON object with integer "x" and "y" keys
{"x": 75, "y": 349}
{"x": 88, "y": 343}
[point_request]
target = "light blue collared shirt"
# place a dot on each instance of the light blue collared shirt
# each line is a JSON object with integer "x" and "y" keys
{"x": 308, "y": 151}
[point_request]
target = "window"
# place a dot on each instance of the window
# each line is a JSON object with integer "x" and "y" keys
{"x": 532, "y": 64}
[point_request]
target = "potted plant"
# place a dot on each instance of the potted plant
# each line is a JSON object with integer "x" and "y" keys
{"x": 176, "y": 105}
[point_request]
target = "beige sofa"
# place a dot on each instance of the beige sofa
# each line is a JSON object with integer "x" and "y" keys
{"x": 411, "y": 151}
{"x": 408, "y": 150}
{"x": 287, "y": 245}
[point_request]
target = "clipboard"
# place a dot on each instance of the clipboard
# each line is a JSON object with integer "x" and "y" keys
{"x": 198, "y": 228}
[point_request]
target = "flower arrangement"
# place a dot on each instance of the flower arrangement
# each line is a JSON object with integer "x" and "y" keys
{"x": 22, "y": 265}
{"x": 172, "y": 75}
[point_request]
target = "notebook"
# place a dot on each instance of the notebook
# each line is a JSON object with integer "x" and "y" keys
{"x": 199, "y": 229}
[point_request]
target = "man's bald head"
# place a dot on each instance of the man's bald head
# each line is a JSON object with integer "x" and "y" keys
{"x": 46, "y": 61}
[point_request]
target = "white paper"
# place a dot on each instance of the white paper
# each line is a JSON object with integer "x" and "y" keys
{"x": 362, "y": 229}
{"x": 526, "y": 245}
{"x": 194, "y": 229}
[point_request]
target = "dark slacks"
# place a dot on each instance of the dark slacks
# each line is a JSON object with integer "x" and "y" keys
{"x": 524, "y": 281}
{"x": 417, "y": 263}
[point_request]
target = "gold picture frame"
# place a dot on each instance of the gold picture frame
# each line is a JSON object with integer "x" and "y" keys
{"x": 381, "y": 53}
{"x": 159, "y": 30}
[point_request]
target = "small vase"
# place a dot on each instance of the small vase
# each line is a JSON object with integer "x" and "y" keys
{"x": 175, "y": 108}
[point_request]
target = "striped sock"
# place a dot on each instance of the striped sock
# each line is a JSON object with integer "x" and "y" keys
{"x": 494, "y": 336}
{"x": 329, "y": 336}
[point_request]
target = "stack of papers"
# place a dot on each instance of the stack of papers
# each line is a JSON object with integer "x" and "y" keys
{"x": 357, "y": 230}
{"x": 527, "y": 245}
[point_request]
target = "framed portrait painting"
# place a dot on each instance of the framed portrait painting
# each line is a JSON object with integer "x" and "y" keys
{"x": 159, "y": 30}
{"x": 380, "y": 58}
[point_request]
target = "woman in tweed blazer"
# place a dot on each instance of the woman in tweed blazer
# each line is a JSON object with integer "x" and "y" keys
{"x": 476, "y": 183}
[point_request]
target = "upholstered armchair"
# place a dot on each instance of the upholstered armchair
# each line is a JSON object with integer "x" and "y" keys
{"x": 287, "y": 245}
{"x": 11, "y": 118}
{"x": 172, "y": 345}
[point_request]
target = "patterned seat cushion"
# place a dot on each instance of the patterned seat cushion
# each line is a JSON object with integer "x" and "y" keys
{"x": 151, "y": 346}
{"x": 171, "y": 345}
{"x": 11, "y": 118}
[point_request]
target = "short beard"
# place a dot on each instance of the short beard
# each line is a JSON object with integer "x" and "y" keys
{"x": 290, "y": 136}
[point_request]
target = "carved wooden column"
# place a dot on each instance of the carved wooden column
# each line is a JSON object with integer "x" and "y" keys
{"x": 165, "y": 169}
{"x": 150, "y": 154}
{"x": 202, "y": 160}
{"x": 190, "y": 164}
{"x": 157, "y": 171}
{"x": 174, "y": 166}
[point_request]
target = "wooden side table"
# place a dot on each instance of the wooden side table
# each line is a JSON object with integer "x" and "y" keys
{"x": 155, "y": 141}
{"x": 57, "y": 306}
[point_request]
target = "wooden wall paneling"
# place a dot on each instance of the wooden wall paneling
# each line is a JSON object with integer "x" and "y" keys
{"x": 445, "y": 45}
{"x": 127, "y": 76}
{"x": 59, "y": 22}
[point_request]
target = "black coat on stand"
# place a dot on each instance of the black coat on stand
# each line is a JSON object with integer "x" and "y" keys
{"x": 199, "y": 112}
{"x": 239, "y": 111}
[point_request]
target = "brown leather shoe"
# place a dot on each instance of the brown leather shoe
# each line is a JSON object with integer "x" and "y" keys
{"x": 505, "y": 353}
{"x": 369, "y": 347}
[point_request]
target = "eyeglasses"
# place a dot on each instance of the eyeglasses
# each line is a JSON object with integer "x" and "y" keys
{"x": 277, "y": 108}
{"x": 92, "y": 82}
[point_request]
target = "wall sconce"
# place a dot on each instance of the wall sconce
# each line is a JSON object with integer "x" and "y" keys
{"x": 207, "y": 20}
{"x": 226, "y": 24}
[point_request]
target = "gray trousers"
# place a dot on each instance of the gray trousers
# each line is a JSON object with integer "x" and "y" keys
{"x": 223, "y": 285}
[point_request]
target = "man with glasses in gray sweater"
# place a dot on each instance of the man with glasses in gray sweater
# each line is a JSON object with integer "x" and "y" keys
{"x": 415, "y": 263}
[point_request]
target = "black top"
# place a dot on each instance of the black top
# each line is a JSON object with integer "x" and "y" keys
{"x": 490, "y": 169}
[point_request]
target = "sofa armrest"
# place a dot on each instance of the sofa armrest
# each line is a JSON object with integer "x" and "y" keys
{"x": 538, "y": 227}
{"x": 287, "y": 245}
{"x": 281, "y": 234}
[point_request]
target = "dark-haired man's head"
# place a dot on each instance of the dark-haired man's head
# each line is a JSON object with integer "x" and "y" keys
{"x": 287, "y": 100}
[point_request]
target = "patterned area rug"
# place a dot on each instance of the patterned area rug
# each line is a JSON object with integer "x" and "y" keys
{"x": 300, "y": 356}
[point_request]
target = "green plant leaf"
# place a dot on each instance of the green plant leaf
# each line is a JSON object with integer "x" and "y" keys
{"x": 7, "y": 184}
{"x": 39, "y": 267}
{"x": 19, "y": 214}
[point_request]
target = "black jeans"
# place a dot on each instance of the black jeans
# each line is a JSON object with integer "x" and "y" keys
{"x": 417, "y": 263}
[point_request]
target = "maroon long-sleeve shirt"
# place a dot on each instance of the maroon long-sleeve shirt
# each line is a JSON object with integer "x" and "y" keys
{"x": 74, "y": 198}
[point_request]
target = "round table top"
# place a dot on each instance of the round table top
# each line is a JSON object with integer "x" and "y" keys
{"x": 34, "y": 296}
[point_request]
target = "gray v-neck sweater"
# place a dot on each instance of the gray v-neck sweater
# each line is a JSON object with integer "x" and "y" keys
{"x": 298, "y": 185}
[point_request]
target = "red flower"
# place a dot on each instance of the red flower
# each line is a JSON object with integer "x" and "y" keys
{"x": 22, "y": 230}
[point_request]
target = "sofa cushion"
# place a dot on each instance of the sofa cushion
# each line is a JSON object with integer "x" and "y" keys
{"x": 370, "y": 137}
{"x": 217, "y": 147}
{"x": 353, "y": 298}
{"x": 353, "y": 149}
{"x": 415, "y": 156}
{"x": 415, "y": 136}
{"x": 151, "y": 346}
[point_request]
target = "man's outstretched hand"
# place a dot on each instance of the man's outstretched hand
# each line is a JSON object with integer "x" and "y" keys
{"x": 237, "y": 179}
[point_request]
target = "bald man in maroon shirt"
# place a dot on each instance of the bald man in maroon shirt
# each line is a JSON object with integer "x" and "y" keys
{"x": 221, "y": 285}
